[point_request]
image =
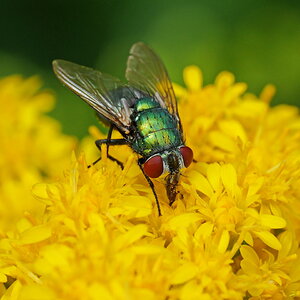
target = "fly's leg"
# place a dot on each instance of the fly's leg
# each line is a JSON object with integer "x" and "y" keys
{"x": 140, "y": 162}
{"x": 109, "y": 142}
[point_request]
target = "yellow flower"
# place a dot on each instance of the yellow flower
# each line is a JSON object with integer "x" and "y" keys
{"x": 32, "y": 148}
{"x": 271, "y": 275}
{"x": 232, "y": 233}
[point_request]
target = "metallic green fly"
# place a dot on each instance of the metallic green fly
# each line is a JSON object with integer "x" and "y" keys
{"x": 144, "y": 110}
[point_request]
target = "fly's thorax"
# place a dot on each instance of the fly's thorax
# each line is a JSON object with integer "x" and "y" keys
{"x": 155, "y": 128}
{"x": 149, "y": 121}
{"x": 145, "y": 103}
{"x": 157, "y": 141}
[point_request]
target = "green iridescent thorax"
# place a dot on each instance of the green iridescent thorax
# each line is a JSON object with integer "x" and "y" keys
{"x": 145, "y": 103}
{"x": 156, "y": 128}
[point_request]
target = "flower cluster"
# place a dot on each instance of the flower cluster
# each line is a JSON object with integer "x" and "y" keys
{"x": 94, "y": 233}
{"x": 32, "y": 148}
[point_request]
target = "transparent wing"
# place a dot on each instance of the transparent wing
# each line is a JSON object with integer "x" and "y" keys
{"x": 146, "y": 71}
{"x": 106, "y": 94}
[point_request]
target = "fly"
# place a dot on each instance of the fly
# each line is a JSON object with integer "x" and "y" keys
{"x": 144, "y": 110}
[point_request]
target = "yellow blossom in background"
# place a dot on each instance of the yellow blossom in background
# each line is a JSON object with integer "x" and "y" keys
{"x": 32, "y": 147}
{"x": 232, "y": 233}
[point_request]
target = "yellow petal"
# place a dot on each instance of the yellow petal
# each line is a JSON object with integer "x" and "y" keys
{"x": 257, "y": 291}
{"x": 98, "y": 291}
{"x": 224, "y": 80}
{"x": 224, "y": 241}
{"x": 269, "y": 239}
{"x": 192, "y": 290}
{"x": 44, "y": 192}
{"x": 97, "y": 222}
{"x": 249, "y": 267}
{"x": 192, "y": 77}
{"x": 36, "y": 292}
{"x": 13, "y": 292}
{"x": 252, "y": 109}
{"x": 202, "y": 123}
{"x": 183, "y": 221}
{"x": 229, "y": 178}
{"x": 286, "y": 239}
{"x": 249, "y": 254}
{"x": 295, "y": 273}
{"x": 179, "y": 90}
{"x": 272, "y": 221}
{"x": 233, "y": 129}
{"x": 235, "y": 91}
{"x": 23, "y": 225}
{"x": 147, "y": 249}
{"x": 144, "y": 293}
{"x": 136, "y": 206}
{"x": 95, "y": 133}
{"x": 131, "y": 236}
{"x": 248, "y": 239}
{"x": 255, "y": 186}
{"x": 275, "y": 209}
{"x": 183, "y": 273}
{"x": 200, "y": 183}
{"x": 3, "y": 277}
{"x": 267, "y": 93}
{"x": 35, "y": 234}
{"x": 214, "y": 176}
{"x": 204, "y": 231}
{"x": 53, "y": 257}
{"x": 222, "y": 141}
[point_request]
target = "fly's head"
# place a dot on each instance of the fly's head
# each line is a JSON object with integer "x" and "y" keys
{"x": 170, "y": 162}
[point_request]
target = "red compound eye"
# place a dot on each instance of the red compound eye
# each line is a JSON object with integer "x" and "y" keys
{"x": 187, "y": 154}
{"x": 154, "y": 167}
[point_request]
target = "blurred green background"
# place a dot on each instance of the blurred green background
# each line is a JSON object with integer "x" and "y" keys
{"x": 259, "y": 41}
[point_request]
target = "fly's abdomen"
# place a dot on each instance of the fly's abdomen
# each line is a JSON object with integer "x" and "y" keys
{"x": 157, "y": 131}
